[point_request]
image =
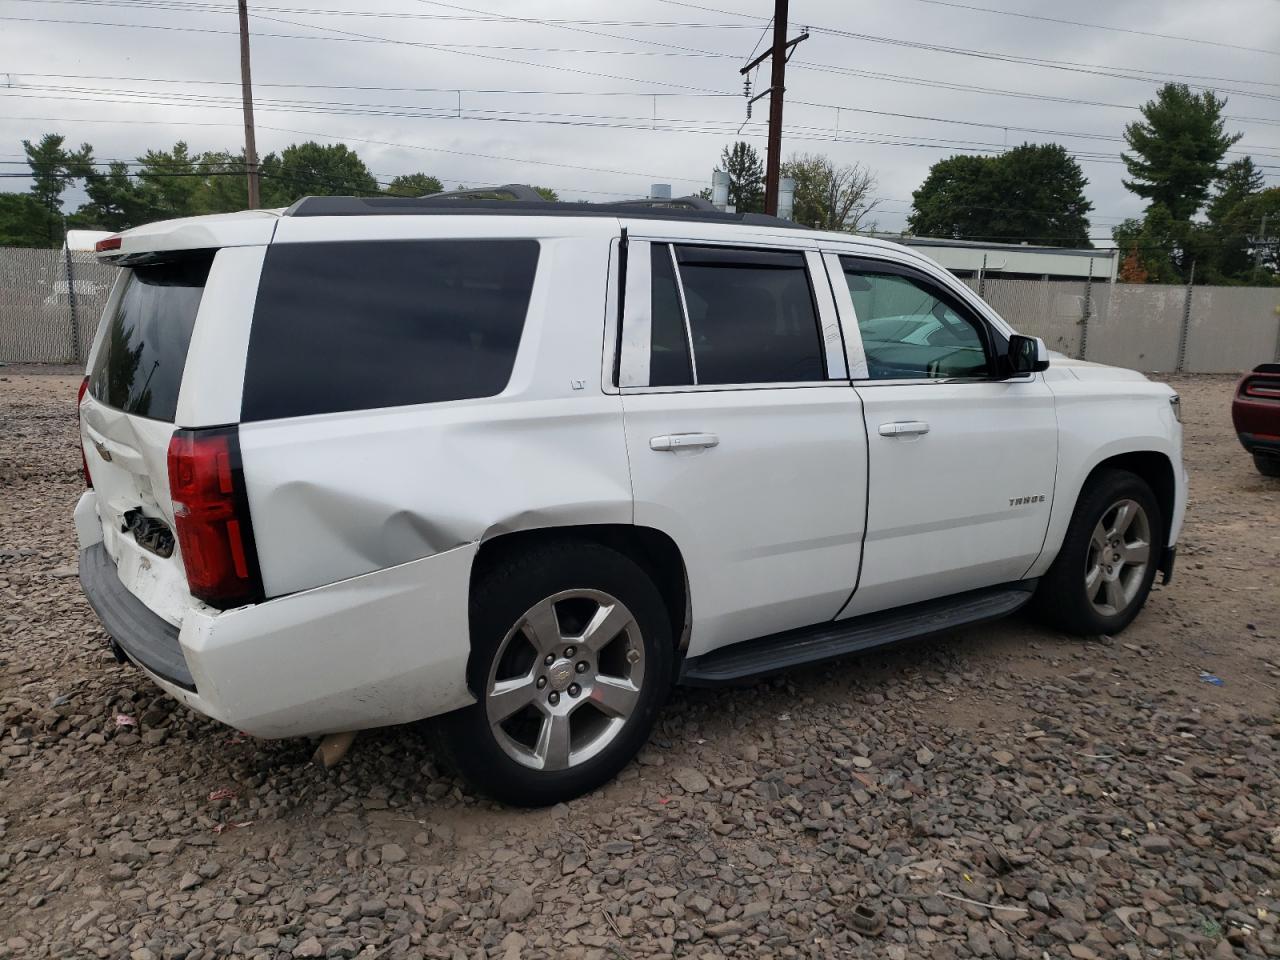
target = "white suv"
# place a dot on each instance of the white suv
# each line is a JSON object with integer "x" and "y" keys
{"x": 521, "y": 466}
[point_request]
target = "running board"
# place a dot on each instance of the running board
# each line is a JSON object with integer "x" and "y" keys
{"x": 827, "y": 641}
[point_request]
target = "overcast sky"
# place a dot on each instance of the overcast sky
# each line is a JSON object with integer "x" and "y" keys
{"x": 628, "y": 97}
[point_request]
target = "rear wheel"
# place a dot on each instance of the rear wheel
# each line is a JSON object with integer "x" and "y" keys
{"x": 1108, "y": 561}
{"x": 571, "y": 660}
{"x": 1268, "y": 466}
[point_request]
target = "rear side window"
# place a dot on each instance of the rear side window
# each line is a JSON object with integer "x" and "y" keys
{"x": 143, "y": 351}
{"x": 362, "y": 325}
{"x": 751, "y": 316}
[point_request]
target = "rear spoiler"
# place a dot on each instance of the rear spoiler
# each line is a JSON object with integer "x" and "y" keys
{"x": 153, "y": 241}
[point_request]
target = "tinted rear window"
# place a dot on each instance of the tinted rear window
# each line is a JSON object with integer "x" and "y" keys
{"x": 143, "y": 351}
{"x": 361, "y": 325}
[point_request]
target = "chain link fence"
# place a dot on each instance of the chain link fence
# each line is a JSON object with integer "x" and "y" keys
{"x": 51, "y": 300}
{"x": 50, "y": 303}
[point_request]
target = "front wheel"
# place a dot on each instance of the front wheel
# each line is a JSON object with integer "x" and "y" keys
{"x": 1108, "y": 561}
{"x": 571, "y": 660}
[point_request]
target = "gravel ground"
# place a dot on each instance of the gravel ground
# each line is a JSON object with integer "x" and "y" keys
{"x": 1101, "y": 795}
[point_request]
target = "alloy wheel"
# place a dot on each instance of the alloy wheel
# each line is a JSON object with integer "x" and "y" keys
{"x": 1119, "y": 552}
{"x": 565, "y": 680}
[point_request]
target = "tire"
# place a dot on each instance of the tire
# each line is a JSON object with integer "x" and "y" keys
{"x": 541, "y": 733}
{"x": 1268, "y": 466}
{"x": 1086, "y": 591}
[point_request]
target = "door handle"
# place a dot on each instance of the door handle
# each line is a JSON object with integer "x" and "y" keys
{"x": 683, "y": 441}
{"x": 904, "y": 428}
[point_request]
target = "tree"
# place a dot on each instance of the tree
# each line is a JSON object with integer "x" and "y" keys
{"x": 546, "y": 193}
{"x": 1032, "y": 193}
{"x": 54, "y": 168}
{"x": 830, "y": 197}
{"x": 313, "y": 169}
{"x": 25, "y": 222}
{"x": 1177, "y": 148}
{"x": 746, "y": 177}
{"x": 170, "y": 181}
{"x": 1132, "y": 268}
{"x": 1239, "y": 179}
{"x": 1167, "y": 247}
{"x": 224, "y": 188}
{"x": 116, "y": 202}
{"x": 1243, "y": 227}
{"x": 414, "y": 185}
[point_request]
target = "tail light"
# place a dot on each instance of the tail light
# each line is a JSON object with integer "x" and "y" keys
{"x": 211, "y": 514}
{"x": 1261, "y": 388}
{"x": 84, "y": 461}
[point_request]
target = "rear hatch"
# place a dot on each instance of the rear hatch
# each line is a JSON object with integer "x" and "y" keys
{"x": 127, "y": 420}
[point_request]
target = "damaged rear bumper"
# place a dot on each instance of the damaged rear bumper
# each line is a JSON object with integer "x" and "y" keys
{"x": 383, "y": 648}
{"x": 145, "y": 637}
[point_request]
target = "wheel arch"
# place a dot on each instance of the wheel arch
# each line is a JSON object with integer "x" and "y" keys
{"x": 1153, "y": 465}
{"x": 1156, "y": 470}
{"x": 652, "y": 549}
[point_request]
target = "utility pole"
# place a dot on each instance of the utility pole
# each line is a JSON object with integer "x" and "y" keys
{"x": 778, "y": 54}
{"x": 246, "y": 92}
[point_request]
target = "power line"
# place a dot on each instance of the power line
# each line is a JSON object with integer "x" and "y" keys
{"x": 345, "y": 86}
{"x": 1106, "y": 70}
{"x": 1100, "y": 70}
{"x": 563, "y": 26}
{"x": 385, "y": 143}
{"x": 351, "y": 36}
{"x": 486, "y": 16}
{"x": 1100, "y": 26}
{"x": 994, "y": 91}
{"x": 703, "y": 126}
{"x": 196, "y": 6}
{"x": 1242, "y": 149}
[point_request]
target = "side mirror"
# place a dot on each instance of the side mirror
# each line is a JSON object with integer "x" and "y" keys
{"x": 1027, "y": 355}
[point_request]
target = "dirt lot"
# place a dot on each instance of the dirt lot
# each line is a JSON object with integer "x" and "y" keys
{"x": 1108, "y": 799}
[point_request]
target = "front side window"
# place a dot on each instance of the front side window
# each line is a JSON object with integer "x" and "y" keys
{"x": 367, "y": 324}
{"x": 751, "y": 317}
{"x": 910, "y": 332}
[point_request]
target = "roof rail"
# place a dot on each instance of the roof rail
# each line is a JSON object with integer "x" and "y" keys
{"x": 484, "y": 206}
{"x": 508, "y": 191}
{"x": 678, "y": 203}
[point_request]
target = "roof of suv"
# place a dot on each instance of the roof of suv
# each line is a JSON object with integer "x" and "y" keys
{"x": 451, "y": 206}
{"x": 252, "y": 227}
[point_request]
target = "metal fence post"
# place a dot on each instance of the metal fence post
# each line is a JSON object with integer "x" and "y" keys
{"x": 1088, "y": 307}
{"x": 71, "y": 302}
{"x": 1186, "y": 321}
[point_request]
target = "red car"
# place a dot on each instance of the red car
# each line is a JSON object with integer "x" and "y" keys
{"x": 1256, "y": 415}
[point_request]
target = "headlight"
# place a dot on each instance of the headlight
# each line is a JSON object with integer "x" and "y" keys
{"x": 1175, "y": 404}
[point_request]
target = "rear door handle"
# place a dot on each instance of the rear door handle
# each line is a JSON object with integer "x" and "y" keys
{"x": 683, "y": 441}
{"x": 904, "y": 428}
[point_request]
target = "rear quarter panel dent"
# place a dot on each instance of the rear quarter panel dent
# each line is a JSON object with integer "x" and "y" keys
{"x": 338, "y": 495}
